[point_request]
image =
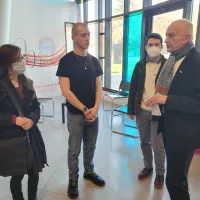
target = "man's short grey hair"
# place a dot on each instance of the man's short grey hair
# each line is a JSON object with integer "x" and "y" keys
{"x": 187, "y": 26}
{"x": 76, "y": 27}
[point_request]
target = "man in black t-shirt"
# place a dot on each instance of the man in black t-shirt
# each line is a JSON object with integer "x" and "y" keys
{"x": 80, "y": 82}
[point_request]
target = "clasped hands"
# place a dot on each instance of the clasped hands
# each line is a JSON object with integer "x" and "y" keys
{"x": 24, "y": 122}
{"x": 91, "y": 114}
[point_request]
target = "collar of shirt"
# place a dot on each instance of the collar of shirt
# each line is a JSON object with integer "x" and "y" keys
{"x": 148, "y": 60}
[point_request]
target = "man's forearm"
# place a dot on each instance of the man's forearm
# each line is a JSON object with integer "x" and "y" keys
{"x": 98, "y": 97}
{"x": 73, "y": 100}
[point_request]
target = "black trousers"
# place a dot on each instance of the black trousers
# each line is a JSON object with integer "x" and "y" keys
{"x": 178, "y": 164}
{"x": 16, "y": 185}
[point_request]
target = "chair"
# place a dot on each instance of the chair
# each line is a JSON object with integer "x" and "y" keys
{"x": 42, "y": 101}
{"x": 123, "y": 110}
{"x": 63, "y": 111}
{"x": 124, "y": 86}
{"x": 42, "y": 111}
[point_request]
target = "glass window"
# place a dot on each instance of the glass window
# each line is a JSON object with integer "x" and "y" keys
{"x": 92, "y": 10}
{"x": 158, "y": 1}
{"x": 81, "y": 18}
{"x": 93, "y": 48}
{"x": 68, "y": 38}
{"x": 102, "y": 39}
{"x": 116, "y": 52}
{"x": 103, "y": 8}
{"x": 102, "y": 27}
{"x": 132, "y": 51}
{"x": 136, "y": 4}
{"x": 102, "y": 45}
{"x": 195, "y": 17}
{"x": 161, "y": 22}
{"x": 102, "y": 63}
{"x": 117, "y": 7}
{"x": 85, "y": 15}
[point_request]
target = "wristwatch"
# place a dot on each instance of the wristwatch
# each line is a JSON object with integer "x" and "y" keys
{"x": 84, "y": 109}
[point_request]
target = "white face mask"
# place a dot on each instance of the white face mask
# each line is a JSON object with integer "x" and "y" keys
{"x": 153, "y": 51}
{"x": 19, "y": 67}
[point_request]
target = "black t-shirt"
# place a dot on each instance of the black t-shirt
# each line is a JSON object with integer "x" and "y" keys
{"x": 82, "y": 72}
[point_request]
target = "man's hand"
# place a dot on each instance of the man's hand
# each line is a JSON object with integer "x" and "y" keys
{"x": 93, "y": 119}
{"x": 132, "y": 117}
{"x": 28, "y": 124}
{"x": 158, "y": 98}
{"x": 20, "y": 121}
{"x": 87, "y": 113}
{"x": 91, "y": 113}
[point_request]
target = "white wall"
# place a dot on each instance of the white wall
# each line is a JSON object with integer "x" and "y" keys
{"x": 34, "y": 19}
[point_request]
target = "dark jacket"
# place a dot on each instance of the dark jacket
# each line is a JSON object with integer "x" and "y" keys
{"x": 181, "y": 130}
{"x": 31, "y": 109}
{"x": 137, "y": 86}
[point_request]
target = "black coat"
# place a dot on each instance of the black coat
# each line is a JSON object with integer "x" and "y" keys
{"x": 31, "y": 109}
{"x": 181, "y": 130}
{"x": 137, "y": 86}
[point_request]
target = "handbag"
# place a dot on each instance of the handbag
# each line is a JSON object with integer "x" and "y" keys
{"x": 16, "y": 155}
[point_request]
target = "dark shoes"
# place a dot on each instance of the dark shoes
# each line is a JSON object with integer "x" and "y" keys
{"x": 18, "y": 196}
{"x": 72, "y": 191}
{"x": 145, "y": 173}
{"x": 21, "y": 198}
{"x": 96, "y": 179}
{"x": 18, "y": 199}
{"x": 159, "y": 181}
{"x": 32, "y": 193}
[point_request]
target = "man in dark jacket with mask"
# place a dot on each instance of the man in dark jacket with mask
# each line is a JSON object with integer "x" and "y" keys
{"x": 141, "y": 89}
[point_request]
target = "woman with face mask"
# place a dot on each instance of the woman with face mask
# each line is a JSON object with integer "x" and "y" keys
{"x": 12, "y": 125}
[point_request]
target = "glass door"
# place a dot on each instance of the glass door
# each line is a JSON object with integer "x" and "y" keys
{"x": 162, "y": 21}
{"x": 133, "y": 31}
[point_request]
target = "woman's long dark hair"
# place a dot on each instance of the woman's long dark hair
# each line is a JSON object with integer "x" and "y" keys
{"x": 9, "y": 54}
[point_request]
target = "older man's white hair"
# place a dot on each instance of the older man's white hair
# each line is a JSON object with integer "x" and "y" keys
{"x": 185, "y": 26}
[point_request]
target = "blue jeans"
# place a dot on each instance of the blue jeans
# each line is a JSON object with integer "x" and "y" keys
{"x": 80, "y": 129}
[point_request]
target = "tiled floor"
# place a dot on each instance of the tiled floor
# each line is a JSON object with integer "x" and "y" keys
{"x": 118, "y": 159}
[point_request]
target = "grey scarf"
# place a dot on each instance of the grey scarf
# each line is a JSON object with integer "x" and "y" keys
{"x": 166, "y": 75}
